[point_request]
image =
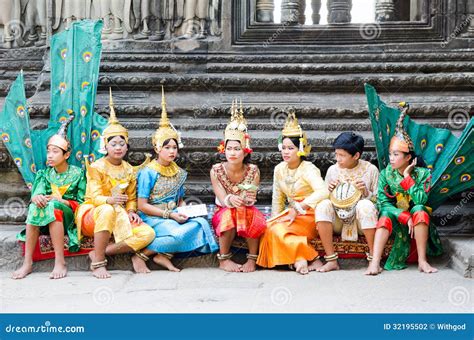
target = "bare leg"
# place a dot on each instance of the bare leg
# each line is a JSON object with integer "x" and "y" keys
{"x": 315, "y": 265}
{"x": 56, "y": 230}
{"x": 101, "y": 239}
{"x": 250, "y": 265}
{"x": 225, "y": 241}
{"x": 421, "y": 237}
{"x": 325, "y": 230}
{"x": 139, "y": 265}
{"x": 370, "y": 236}
{"x": 32, "y": 234}
{"x": 380, "y": 239}
{"x": 162, "y": 260}
{"x": 117, "y": 248}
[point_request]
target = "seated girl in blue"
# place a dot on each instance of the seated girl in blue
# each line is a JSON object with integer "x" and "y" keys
{"x": 160, "y": 191}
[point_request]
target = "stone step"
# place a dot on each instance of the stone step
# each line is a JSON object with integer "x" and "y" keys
{"x": 274, "y": 82}
{"x": 287, "y": 67}
{"x": 458, "y": 250}
{"x": 11, "y": 257}
{"x": 461, "y": 251}
{"x": 139, "y": 56}
{"x": 145, "y": 106}
{"x": 332, "y": 67}
{"x": 137, "y": 69}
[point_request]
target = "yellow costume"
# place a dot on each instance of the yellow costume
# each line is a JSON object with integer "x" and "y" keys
{"x": 105, "y": 180}
{"x": 285, "y": 242}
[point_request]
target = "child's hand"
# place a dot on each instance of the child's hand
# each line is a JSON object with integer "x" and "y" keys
{"x": 134, "y": 218}
{"x": 236, "y": 201}
{"x": 360, "y": 184}
{"x": 40, "y": 200}
{"x": 290, "y": 217}
{"x": 178, "y": 217}
{"x": 409, "y": 169}
{"x": 411, "y": 228}
{"x": 118, "y": 199}
{"x": 332, "y": 185}
{"x": 59, "y": 199}
{"x": 250, "y": 198}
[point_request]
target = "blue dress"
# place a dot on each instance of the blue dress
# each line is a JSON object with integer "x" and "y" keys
{"x": 172, "y": 237}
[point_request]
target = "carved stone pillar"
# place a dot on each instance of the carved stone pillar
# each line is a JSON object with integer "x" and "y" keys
{"x": 265, "y": 10}
{"x": 302, "y": 16}
{"x": 339, "y": 11}
{"x": 470, "y": 17}
{"x": 415, "y": 10}
{"x": 384, "y": 10}
{"x": 316, "y": 7}
{"x": 290, "y": 12}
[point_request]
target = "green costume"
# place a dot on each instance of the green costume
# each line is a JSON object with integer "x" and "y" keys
{"x": 449, "y": 171}
{"x": 75, "y": 58}
{"x": 71, "y": 185}
{"x": 398, "y": 200}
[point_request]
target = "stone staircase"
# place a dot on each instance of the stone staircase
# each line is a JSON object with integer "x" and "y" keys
{"x": 325, "y": 89}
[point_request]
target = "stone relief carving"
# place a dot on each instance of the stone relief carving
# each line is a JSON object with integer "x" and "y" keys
{"x": 66, "y": 11}
{"x": 34, "y": 14}
{"x": 117, "y": 16}
{"x": 25, "y": 22}
{"x": 6, "y": 17}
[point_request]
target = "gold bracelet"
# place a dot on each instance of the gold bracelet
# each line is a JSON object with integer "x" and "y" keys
{"x": 166, "y": 214}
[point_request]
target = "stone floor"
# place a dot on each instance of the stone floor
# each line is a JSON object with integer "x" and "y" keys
{"x": 210, "y": 290}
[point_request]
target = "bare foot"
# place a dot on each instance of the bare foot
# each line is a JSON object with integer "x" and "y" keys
{"x": 59, "y": 271}
{"x": 230, "y": 266}
{"x": 23, "y": 271}
{"x": 373, "y": 268}
{"x": 139, "y": 266}
{"x": 249, "y": 266}
{"x": 302, "y": 267}
{"x": 315, "y": 265}
{"x": 101, "y": 272}
{"x": 163, "y": 261}
{"x": 425, "y": 267}
{"x": 329, "y": 266}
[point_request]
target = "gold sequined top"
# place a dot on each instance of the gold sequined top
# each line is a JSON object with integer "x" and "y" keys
{"x": 104, "y": 178}
{"x": 303, "y": 184}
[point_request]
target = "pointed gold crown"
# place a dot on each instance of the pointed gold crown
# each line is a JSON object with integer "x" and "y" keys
{"x": 165, "y": 130}
{"x": 236, "y": 129}
{"x": 293, "y": 129}
{"x": 114, "y": 128}
{"x": 401, "y": 141}
{"x": 60, "y": 138}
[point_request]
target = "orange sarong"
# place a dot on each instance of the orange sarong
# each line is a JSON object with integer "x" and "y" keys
{"x": 249, "y": 222}
{"x": 285, "y": 243}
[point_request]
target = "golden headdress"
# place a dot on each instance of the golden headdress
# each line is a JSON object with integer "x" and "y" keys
{"x": 165, "y": 130}
{"x": 60, "y": 138}
{"x": 293, "y": 129}
{"x": 401, "y": 141}
{"x": 114, "y": 128}
{"x": 236, "y": 129}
